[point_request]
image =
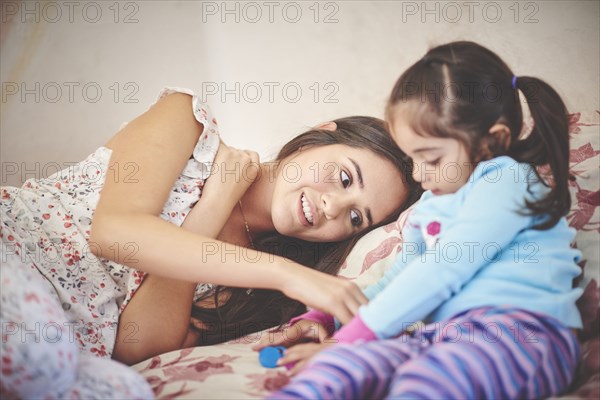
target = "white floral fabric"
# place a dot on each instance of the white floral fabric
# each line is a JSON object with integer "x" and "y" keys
{"x": 46, "y": 223}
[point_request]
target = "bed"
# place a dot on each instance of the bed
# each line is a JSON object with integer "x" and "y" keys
{"x": 232, "y": 371}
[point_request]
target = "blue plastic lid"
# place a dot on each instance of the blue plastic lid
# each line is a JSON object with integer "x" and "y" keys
{"x": 269, "y": 355}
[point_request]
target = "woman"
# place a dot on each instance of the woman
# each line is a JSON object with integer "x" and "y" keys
{"x": 316, "y": 193}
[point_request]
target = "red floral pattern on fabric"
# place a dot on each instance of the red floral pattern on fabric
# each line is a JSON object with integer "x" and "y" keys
{"x": 584, "y": 164}
{"x": 185, "y": 367}
{"x": 585, "y": 201}
{"x": 270, "y": 381}
{"x": 384, "y": 249}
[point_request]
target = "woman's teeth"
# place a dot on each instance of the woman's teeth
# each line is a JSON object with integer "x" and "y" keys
{"x": 306, "y": 209}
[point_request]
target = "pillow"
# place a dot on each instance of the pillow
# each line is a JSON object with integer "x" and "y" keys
{"x": 374, "y": 253}
{"x": 585, "y": 214}
{"x": 585, "y": 191}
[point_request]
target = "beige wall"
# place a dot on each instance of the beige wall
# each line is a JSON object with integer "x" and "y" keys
{"x": 130, "y": 51}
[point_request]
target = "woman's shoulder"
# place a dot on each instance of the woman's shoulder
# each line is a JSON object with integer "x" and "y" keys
{"x": 201, "y": 110}
{"x": 205, "y": 150}
{"x": 208, "y": 143}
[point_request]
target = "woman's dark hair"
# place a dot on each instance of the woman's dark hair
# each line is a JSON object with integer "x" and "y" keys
{"x": 245, "y": 311}
{"x": 461, "y": 89}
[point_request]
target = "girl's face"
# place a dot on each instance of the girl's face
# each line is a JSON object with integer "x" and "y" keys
{"x": 329, "y": 193}
{"x": 441, "y": 165}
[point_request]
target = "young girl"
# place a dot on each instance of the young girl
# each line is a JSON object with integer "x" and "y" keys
{"x": 486, "y": 261}
{"x": 94, "y": 260}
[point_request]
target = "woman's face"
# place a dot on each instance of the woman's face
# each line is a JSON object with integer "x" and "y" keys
{"x": 329, "y": 193}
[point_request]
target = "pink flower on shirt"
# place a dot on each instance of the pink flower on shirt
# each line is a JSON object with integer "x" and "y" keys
{"x": 433, "y": 228}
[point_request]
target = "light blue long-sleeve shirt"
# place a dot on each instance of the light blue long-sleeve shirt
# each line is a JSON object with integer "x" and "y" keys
{"x": 477, "y": 247}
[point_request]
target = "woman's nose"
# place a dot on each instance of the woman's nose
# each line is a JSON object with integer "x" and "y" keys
{"x": 333, "y": 204}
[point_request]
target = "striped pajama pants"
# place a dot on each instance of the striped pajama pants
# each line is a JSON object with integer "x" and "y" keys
{"x": 484, "y": 353}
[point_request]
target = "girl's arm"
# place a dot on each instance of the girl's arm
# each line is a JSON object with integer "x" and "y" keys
{"x": 158, "y": 144}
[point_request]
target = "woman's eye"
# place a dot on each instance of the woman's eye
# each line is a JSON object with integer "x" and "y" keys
{"x": 355, "y": 218}
{"x": 345, "y": 179}
{"x": 434, "y": 162}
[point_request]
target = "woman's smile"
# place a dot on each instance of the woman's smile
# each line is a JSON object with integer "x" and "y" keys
{"x": 306, "y": 211}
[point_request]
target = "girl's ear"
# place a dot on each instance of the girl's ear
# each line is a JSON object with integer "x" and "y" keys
{"x": 328, "y": 126}
{"x": 495, "y": 143}
{"x": 501, "y": 134}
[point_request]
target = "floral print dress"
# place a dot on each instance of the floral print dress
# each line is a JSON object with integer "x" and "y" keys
{"x": 54, "y": 289}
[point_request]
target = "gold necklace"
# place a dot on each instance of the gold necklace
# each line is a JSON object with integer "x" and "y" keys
{"x": 246, "y": 225}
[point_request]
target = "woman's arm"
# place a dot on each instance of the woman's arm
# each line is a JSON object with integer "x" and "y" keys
{"x": 127, "y": 229}
{"x": 155, "y": 321}
{"x": 126, "y": 226}
{"x": 157, "y": 318}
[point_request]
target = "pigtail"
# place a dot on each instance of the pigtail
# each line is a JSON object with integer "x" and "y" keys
{"x": 548, "y": 144}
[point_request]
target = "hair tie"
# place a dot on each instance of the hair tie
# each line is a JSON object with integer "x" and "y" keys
{"x": 514, "y": 82}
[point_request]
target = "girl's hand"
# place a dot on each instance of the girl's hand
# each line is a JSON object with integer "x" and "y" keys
{"x": 336, "y": 296}
{"x": 300, "y": 355}
{"x": 301, "y": 331}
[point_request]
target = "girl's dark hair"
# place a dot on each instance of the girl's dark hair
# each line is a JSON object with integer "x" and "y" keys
{"x": 461, "y": 89}
{"x": 246, "y": 311}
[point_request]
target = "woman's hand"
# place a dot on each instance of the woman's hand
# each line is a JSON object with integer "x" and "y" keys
{"x": 336, "y": 296}
{"x": 232, "y": 174}
{"x": 300, "y": 355}
{"x": 233, "y": 171}
{"x": 301, "y": 331}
